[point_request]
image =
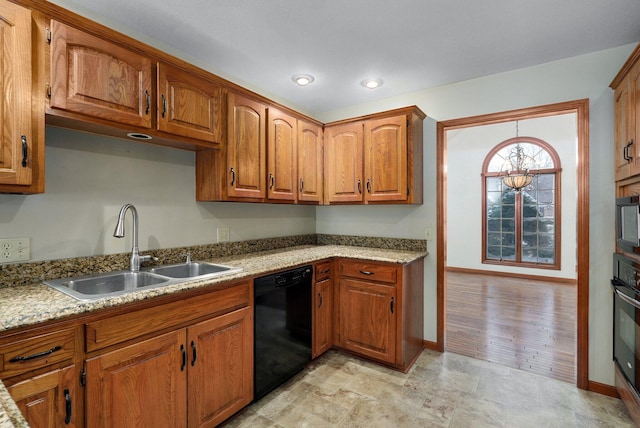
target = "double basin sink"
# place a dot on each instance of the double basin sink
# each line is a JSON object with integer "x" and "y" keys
{"x": 121, "y": 282}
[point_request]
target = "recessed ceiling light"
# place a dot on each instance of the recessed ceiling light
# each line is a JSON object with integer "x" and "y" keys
{"x": 371, "y": 83}
{"x": 303, "y": 79}
{"x": 139, "y": 136}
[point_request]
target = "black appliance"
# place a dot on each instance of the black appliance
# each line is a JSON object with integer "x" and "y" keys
{"x": 628, "y": 224}
{"x": 282, "y": 335}
{"x": 626, "y": 317}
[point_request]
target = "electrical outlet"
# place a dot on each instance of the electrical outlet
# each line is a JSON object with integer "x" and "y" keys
{"x": 223, "y": 234}
{"x": 428, "y": 234}
{"x": 14, "y": 250}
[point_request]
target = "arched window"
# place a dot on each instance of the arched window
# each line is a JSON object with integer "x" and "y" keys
{"x": 522, "y": 228}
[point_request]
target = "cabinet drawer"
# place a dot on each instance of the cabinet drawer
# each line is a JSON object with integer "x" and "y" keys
{"x": 36, "y": 352}
{"x": 322, "y": 271}
{"x": 120, "y": 328}
{"x": 369, "y": 271}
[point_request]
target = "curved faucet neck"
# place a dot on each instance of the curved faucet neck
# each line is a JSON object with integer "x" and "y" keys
{"x": 119, "y": 233}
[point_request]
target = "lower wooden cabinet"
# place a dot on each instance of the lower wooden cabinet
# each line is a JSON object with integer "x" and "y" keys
{"x": 40, "y": 371}
{"x": 322, "y": 309}
{"x": 380, "y": 310}
{"x": 144, "y": 384}
{"x": 197, "y": 377}
{"x": 368, "y": 317}
{"x": 220, "y": 372}
{"x": 48, "y": 400}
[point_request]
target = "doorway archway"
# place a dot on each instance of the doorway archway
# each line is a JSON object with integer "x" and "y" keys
{"x": 581, "y": 109}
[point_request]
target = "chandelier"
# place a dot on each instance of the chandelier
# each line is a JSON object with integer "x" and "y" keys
{"x": 516, "y": 168}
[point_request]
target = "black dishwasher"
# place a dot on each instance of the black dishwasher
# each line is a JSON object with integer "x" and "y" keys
{"x": 282, "y": 335}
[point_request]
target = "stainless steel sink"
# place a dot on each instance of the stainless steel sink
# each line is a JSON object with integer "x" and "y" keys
{"x": 121, "y": 282}
{"x": 192, "y": 270}
{"x": 108, "y": 284}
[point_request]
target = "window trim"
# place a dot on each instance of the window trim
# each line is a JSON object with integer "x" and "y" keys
{"x": 557, "y": 171}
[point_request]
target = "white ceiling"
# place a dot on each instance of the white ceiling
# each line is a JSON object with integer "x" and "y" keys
{"x": 410, "y": 44}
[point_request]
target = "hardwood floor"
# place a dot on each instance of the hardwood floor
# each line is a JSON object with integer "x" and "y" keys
{"x": 523, "y": 324}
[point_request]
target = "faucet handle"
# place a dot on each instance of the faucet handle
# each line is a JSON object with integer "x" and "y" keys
{"x": 188, "y": 256}
{"x": 147, "y": 258}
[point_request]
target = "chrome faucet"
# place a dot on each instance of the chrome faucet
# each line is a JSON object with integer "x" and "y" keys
{"x": 136, "y": 259}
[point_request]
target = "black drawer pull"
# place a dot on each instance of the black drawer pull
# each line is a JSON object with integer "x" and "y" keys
{"x": 25, "y": 150}
{"x": 193, "y": 348}
{"x": 184, "y": 358}
{"x": 325, "y": 271}
{"x": 34, "y": 356}
{"x": 366, "y": 272}
{"x": 68, "y": 407}
{"x": 392, "y": 304}
{"x": 320, "y": 299}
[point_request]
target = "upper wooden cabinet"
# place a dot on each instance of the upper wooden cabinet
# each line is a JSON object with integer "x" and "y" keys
{"x": 22, "y": 131}
{"x": 246, "y": 145}
{"x": 310, "y": 163}
{"x": 375, "y": 159}
{"x": 385, "y": 159}
{"x": 94, "y": 77}
{"x": 343, "y": 162}
{"x": 282, "y": 161}
{"x": 270, "y": 155}
{"x": 100, "y": 86}
{"x": 188, "y": 105}
{"x": 626, "y": 88}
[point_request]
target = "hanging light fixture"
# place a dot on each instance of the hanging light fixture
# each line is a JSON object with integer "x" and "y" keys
{"x": 516, "y": 167}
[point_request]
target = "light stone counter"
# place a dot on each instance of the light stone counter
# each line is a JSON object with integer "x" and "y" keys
{"x": 23, "y": 306}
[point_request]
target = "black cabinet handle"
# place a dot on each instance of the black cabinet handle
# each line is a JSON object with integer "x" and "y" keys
{"x": 193, "y": 349}
{"x": 320, "y": 299}
{"x": 272, "y": 181}
{"x": 368, "y": 185}
{"x": 359, "y": 186}
{"x": 25, "y": 151}
{"x": 630, "y": 158}
{"x": 392, "y": 305}
{"x": 164, "y": 105}
{"x": 148, "y": 100}
{"x": 301, "y": 185}
{"x": 325, "y": 271}
{"x": 233, "y": 176}
{"x": 184, "y": 358}
{"x": 67, "y": 406}
{"x": 34, "y": 356}
{"x": 625, "y": 153}
{"x": 366, "y": 272}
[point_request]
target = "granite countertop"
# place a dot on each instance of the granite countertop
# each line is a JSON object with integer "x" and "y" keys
{"x": 23, "y": 306}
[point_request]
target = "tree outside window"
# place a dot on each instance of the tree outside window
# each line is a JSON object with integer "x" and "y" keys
{"x": 522, "y": 228}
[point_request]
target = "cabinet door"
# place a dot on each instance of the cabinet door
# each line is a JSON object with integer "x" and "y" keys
{"x": 96, "y": 78}
{"x": 188, "y": 105}
{"x": 220, "y": 367}
{"x": 368, "y": 319}
{"x": 343, "y": 162}
{"x": 48, "y": 400}
{"x": 246, "y": 157}
{"x": 322, "y": 317}
{"x": 310, "y": 173}
{"x": 622, "y": 135}
{"x": 16, "y": 144}
{"x": 141, "y": 385}
{"x": 385, "y": 159}
{"x": 634, "y": 119}
{"x": 282, "y": 178}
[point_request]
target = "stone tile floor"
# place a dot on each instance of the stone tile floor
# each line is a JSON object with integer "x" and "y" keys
{"x": 440, "y": 390}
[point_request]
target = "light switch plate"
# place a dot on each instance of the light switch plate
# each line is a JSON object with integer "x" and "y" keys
{"x": 14, "y": 250}
{"x": 223, "y": 234}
